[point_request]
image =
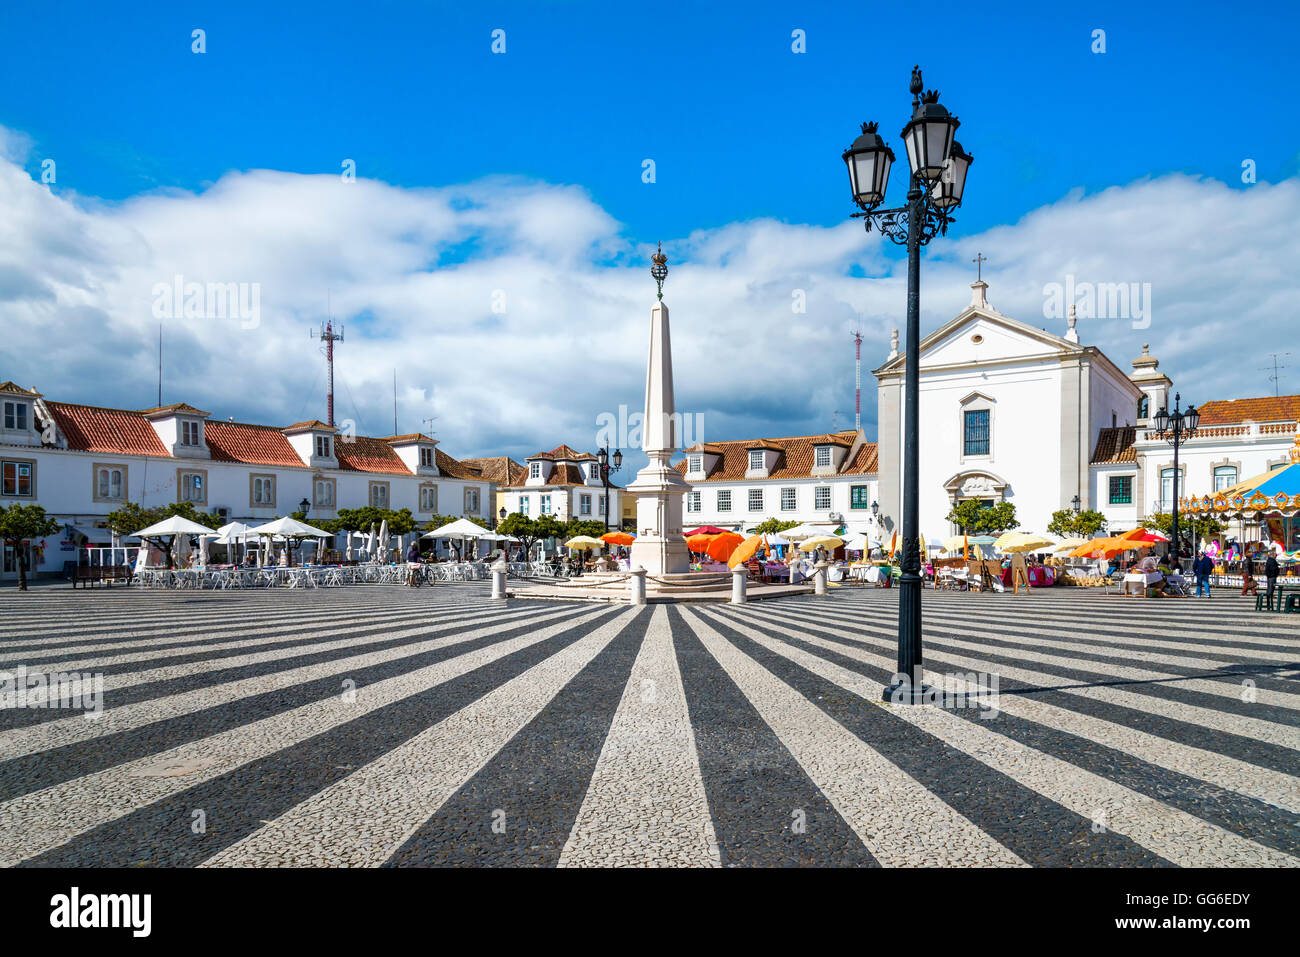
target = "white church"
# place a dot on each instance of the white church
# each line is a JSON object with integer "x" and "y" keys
{"x": 1010, "y": 412}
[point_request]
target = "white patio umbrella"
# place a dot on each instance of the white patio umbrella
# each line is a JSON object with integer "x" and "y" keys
{"x": 383, "y": 539}
{"x": 462, "y": 529}
{"x": 370, "y": 543}
{"x": 174, "y": 528}
{"x": 806, "y": 530}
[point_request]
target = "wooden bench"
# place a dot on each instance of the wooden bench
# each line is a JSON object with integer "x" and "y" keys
{"x": 87, "y": 575}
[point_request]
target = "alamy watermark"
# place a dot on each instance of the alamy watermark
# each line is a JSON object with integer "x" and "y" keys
{"x": 626, "y": 430}
{"x": 1101, "y": 300}
{"x": 179, "y": 299}
{"x": 73, "y": 690}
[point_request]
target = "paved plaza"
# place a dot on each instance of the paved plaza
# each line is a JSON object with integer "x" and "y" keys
{"x": 383, "y": 726}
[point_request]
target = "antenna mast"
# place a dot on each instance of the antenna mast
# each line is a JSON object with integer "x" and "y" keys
{"x": 329, "y": 337}
{"x": 1275, "y": 378}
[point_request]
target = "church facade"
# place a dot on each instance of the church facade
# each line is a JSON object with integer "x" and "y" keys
{"x": 1011, "y": 412}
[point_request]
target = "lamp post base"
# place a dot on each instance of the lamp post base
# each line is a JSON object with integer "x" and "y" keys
{"x": 904, "y": 692}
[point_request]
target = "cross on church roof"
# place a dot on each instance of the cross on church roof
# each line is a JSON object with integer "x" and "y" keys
{"x": 979, "y": 261}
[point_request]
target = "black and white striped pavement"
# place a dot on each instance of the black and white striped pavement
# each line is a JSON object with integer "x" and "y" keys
{"x": 383, "y": 726}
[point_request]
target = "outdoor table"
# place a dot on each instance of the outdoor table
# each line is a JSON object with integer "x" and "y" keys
{"x": 1143, "y": 580}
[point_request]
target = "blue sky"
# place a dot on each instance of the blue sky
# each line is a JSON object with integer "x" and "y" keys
{"x": 741, "y": 129}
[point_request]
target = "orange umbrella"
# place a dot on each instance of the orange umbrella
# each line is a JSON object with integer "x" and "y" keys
{"x": 1143, "y": 535}
{"x": 893, "y": 546}
{"x": 746, "y": 549}
{"x": 723, "y": 545}
{"x": 1106, "y": 547}
{"x": 618, "y": 538}
{"x": 698, "y": 543}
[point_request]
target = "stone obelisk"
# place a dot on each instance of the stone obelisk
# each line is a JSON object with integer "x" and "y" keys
{"x": 659, "y": 488}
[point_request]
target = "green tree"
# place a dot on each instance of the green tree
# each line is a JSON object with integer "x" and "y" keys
{"x": 975, "y": 518}
{"x": 584, "y": 526}
{"x": 399, "y": 521}
{"x": 772, "y": 526}
{"x": 19, "y": 523}
{"x": 1083, "y": 525}
{"x": 522, "y": 527}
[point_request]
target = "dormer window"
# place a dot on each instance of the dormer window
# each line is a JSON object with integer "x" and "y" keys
{"x": 190, "y": 433}
{"x": 322, "y": 446}
{"x": 15, "y": 418}
{"x": 593, "y": 471}
{"x": 756, "y": 460}
{"x": 822, "y": 456}
{"x": 534, "y": 470}
{"x": 695, "y": 463}
{"x": 426, "y": 458}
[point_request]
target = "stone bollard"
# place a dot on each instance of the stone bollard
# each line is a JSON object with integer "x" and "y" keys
{"x": 638, "y": 585}
{"x": 499, "y": 579}
{"x": 739, "y": 576}
{"x": 819, "y": 578}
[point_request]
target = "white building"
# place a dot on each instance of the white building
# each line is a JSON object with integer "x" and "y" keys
{"x": 829, "y": 479}
{"x": 81, "y": 462}
{"x": 1011, "y": 412}
{"x": 564, "y": 483}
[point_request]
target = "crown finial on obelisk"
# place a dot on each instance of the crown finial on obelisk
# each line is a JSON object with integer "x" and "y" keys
{"x": 660, "y": 269}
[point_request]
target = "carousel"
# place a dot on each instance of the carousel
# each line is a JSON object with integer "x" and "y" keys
{"x": 1269, "y": 503}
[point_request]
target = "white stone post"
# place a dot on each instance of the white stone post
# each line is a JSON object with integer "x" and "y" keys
{"x": 638, "y": 586}
{"x": 499, "y": 579}
{"x": 739, "y": 575}
{"x": 819, "y": 577}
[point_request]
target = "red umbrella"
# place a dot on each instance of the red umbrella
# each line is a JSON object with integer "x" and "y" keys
{"x": 705, "y": 530}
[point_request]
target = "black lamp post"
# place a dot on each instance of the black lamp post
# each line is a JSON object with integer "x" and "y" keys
{"x": 607, "y": 469}
{"x": 304, "y": 506}
{"x": 1175, "y": 427}
{"x": 1077, "y": 503}
{"x": 935, "y": 186}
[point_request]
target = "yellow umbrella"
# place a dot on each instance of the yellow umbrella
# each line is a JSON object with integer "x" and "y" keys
{"x": 1106, "y": 548}
{"x": 584, "y": 542}
{"x": 1022, "y": 542}
{"x": 1070, "y": 544}
{"x": 821, "y": 541}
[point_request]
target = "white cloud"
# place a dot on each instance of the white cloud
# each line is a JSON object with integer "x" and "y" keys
{"x": 415, "y": 274}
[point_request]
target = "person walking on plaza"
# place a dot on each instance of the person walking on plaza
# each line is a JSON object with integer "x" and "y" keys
{"x": 1270, "y": 575}
{"x": 1203, "y": 568}
{"x": 1019, "y": 572}
{"x": 1248, "y": 584}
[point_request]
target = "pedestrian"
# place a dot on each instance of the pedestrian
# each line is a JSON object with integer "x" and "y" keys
{"x": 1248, "y": 584}
{"x": 1202, "y": 568}
{"x": 1270, "y": 575}
{"x": 1019, "y": 572}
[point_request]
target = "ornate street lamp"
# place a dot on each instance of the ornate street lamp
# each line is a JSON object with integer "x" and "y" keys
{"x": 304, "y": 506}
{"x": 606, "y": 469}
{"x": 1077, "y": 503}
{"x": 1175, "y": 428}
{"x": 936, "y": 183}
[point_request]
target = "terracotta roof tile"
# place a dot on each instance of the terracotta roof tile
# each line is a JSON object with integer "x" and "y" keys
{"x": 500, "y": 469}
{"x": 89, "y": 428}
{"x": 251, "y": 444}
{"x": 1283, "y": 408}
{"x": 407, "y": 437}
{"x": 1115, "y": 444}
{"x": 15, "y": 388}
{"x": 365, "y": 454}
{"x": 184, "y": 408}
{"x": 561, "y": 452}
{"x": 455, "y": 469}
{"x": 312, "y": 424}
{"x": 794, "y": 461}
